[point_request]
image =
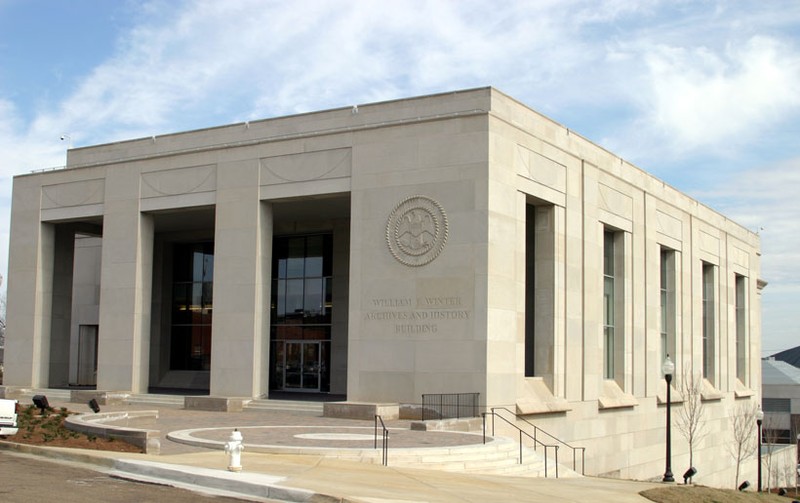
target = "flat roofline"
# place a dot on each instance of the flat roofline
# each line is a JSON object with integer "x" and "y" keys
{"x": 285, "y": 117}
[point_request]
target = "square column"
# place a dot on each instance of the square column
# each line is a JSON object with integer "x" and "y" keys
{"x": 242, "y": 270}
{"x": 30, "y": 285}
{"x": 126, "y": 278}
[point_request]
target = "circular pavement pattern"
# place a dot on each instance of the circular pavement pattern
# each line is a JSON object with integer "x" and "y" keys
{"x": 335, "y": 436}
{"x": 293, "y": 438}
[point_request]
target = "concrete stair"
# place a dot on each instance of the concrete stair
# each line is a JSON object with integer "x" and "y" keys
{"x": 155, "y": 399}
{"x": 499, "y": 457}
{"x": 286, "y": 405}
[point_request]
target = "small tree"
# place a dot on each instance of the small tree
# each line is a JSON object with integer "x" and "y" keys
{"x": 689, "y": 421}
{"x": 769, "y": 439}
{"x": 743, "y": 422}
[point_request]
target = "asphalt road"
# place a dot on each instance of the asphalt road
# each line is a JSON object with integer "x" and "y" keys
{"x": 33, "y": 479}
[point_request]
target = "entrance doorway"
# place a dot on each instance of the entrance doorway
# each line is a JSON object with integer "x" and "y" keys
{"x": 87, "y": 355}
{"x": 302, "y": 366}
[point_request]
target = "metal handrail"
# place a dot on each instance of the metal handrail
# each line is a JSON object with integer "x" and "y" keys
{"x": 442, "y": 406}
{"x": 522, "y": 432}
{"x": 385, "y": 441}
{"x": 537, "y": 430}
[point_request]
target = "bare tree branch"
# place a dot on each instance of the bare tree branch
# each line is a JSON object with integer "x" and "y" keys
{"x": 689, "y": 421}
{"x": 744, "y": 431}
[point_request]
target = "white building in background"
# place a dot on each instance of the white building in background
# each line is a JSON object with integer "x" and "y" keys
{"x": 451, "y": 243}
{"x": 781, "y": 400}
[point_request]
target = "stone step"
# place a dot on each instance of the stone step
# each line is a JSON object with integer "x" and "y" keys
{"x": 156, "y": 399}
{"x": 499, "y": 457}
{"x": 290, "y": 405}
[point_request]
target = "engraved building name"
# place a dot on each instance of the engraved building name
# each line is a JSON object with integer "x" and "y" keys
{"x": 417, "y": 315}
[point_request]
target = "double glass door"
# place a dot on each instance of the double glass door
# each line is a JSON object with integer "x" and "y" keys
{"x": 302, "y": 366}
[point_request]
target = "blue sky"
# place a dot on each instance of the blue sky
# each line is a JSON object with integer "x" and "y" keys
{"x": 703, "y": 94}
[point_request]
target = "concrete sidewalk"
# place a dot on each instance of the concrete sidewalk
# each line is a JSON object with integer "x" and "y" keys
{"x": 313, "y": 477}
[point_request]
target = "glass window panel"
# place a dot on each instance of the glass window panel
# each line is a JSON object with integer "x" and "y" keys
{"x": 294, "y": 298}
{"x": 709, "y": 327}
{"x": 279, "y": 258}
{"x": 314, "y": 254}
{"x": 328, "y": 301}
{"x": 608, "y": 300}
{"x": 180, "y": 294}
{"x": 311, "y": 366}
{"x": 281, "y": 299}
{"x": 325, "y": 363}
{"x": 192, "y": 306}
{"x": 294, "y": 365}
{"x": 273, "y": 302}
{"x": 180, "y": 304}
{"x": 327, "y": 263}
{"x": 741, "y": 330}
{"x": 181, "y": 263}
{"x": 296, "y": 258}
{"x": 277, "y": 363}
{"x": 208, "y": 305}
{"x": 608, "y": 253}
{"x": 208, "y": 267}
{"x": 609, "y": 353}
{"x": 312, "y": 303}
{"x": 197, "y": 264}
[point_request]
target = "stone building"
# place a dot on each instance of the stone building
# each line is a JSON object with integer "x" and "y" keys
{"x": 458, "y": 242}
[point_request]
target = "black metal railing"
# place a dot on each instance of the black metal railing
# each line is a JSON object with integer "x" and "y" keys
{"x": 385, "y": 441}
{"x": 522, "y": 433}
{"x": 450, "y": 405}
{"x": 538, "y": 432}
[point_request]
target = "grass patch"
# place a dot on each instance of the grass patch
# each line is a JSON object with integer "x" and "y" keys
{"x": 701, "y": 494}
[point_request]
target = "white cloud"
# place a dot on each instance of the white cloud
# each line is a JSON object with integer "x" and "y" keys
{"x": 703, "y": 98}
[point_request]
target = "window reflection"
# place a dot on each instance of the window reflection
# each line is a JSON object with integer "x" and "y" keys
{"x": 301, "y": 312}
{"x": 192, "y": 306}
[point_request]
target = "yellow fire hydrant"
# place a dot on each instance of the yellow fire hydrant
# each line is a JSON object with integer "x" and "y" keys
{"x": 234, "y": 448}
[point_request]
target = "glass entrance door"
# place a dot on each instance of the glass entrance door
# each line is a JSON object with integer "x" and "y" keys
{"x": 302, "y": 366}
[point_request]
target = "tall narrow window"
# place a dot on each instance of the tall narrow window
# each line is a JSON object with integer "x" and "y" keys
{"x": 539, "y": 290}
{"x": 668, "y": 300}
{"x": 530, "y": 290}
{"x": 709, "y": 322}
{"x": 741, "y": 328}
{"x": 301, "y": 312}
{"x": 192, "y": 306}
{"x": 609, "y": 302}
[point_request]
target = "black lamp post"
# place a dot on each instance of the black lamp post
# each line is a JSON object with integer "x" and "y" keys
{"x": 668, "y": 368}
{"x": 759, "y": 419}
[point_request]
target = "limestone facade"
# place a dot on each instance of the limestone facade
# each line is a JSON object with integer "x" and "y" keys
{"x": 472, "y": 245}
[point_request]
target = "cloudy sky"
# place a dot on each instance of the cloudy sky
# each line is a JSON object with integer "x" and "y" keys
{"x": 703, "y": 94}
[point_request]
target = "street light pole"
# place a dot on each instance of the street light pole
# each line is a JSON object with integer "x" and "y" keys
{"x": 668, "y": 368}
{"x": 759, "y": 419}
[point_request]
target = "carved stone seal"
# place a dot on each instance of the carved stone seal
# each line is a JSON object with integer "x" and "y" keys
{"x": 416, "y": 231}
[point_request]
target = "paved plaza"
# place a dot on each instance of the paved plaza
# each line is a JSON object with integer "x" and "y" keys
{"x": 305, "y": 473}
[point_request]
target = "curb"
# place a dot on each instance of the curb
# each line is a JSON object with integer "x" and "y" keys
{"x": 250, "y": 485}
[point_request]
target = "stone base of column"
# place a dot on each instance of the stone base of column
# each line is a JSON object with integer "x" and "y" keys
{"x": 102, "y": 397}
{"x": 215, "y": 403}
{"x": 361, "y": 410}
